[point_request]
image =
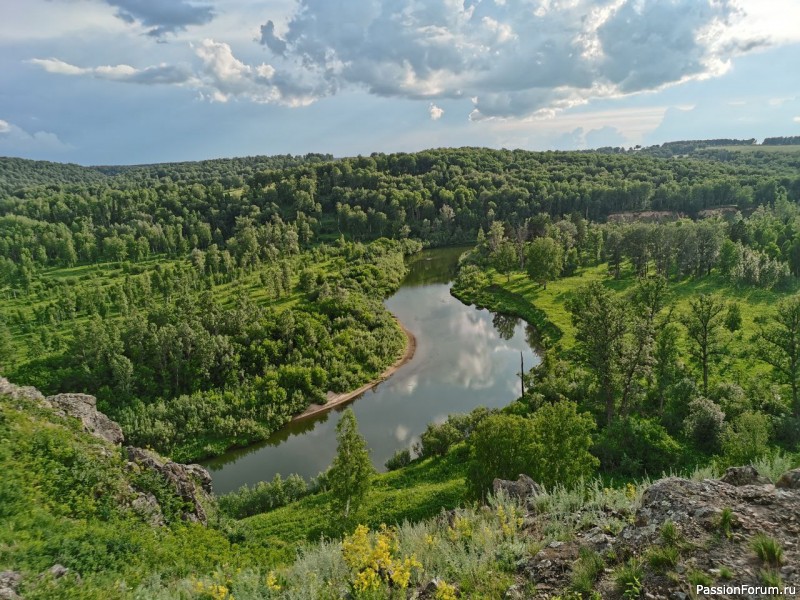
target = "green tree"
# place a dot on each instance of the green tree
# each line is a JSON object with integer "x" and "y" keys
{"x": 746, "y": 439}
{"x": 703, "y": 324}
{"x": 350, "y": 475}
{"x": 778, "y": 344}
{"x": 504, "y": 259}
{"x": 545, "y": 258}
{"x": 600, "y": 322}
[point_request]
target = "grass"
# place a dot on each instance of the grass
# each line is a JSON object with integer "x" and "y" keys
{"x": 419, "y": 491}
{"x": 546, "y": 308}
{"x": 587, "y": 569}
{"x": 768, "y": 549}
{"x": 628, "y": 578}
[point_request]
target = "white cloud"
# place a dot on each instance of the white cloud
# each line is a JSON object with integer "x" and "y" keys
{"x": 162, "y": 73}
{"x": 15, "y": 141}
{"x": 435, "y": 112}
{"x": 796, "y": 119}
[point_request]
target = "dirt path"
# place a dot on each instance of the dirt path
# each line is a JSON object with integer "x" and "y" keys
{"x": 337, "y": 399}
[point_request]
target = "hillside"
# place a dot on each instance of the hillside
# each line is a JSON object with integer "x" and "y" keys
{"x": 85, "y": 517}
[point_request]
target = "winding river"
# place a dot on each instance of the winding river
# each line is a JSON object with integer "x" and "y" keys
{"x": 465, "y": 357}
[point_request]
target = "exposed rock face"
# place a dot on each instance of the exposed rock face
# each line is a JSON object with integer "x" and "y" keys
{"x": 19, "y": 392}
{"x": 192, "y": 483}
{"x": 522, "y": 489}
{"x": 705, "y": 545}
{"x": 748, "y": 475}
{"x": 84, "y": 407}
{"x": 790, "y": 480}
{"x": 9, "y": 582}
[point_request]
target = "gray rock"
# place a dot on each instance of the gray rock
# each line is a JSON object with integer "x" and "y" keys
{"x": 146, "y": 505}
{"x": 747, "y": 475}
{"x": 84, "y": 407}
{"x": 9, "y": 582}
{"x": 58, "y": 571}
{"x": 191, "y": 482}
{"x": 17, "y": 392}
{"x": 524, "y": 487}
{"x": 789, "y": 480}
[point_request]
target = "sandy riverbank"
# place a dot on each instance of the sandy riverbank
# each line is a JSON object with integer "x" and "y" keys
{"x": 338, "y": 399}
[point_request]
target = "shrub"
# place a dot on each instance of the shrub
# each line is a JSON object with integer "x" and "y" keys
{"x": 399, "y": 459}
{"x": 634, "y": 447}
{"x": 262, "y": 497}
{"x": 746, "y": 439}
{"x": 437, "y": 439}
{"x": 704, "y": 424}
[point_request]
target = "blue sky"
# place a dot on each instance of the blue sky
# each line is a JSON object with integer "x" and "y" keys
{"x": 134, "y": 81}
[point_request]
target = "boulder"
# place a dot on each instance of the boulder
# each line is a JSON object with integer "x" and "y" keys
{"x": 84, "y": 407}
{"x": 192, "y": 483}
{"x": 747, "y": 475}
{"x": 789, "y": 480}
{"x": 521, "y": 489}
{"x": 9, "y": 582}
{"x": 17, "y": 392}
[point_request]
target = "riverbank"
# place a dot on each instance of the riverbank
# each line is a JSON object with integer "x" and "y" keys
{"x": 335, "y": 400}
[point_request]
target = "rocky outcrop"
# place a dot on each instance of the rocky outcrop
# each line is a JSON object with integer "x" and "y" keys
{"x": 84, "y": 408}
{"x": 9, "y": 584}
{"x": 789, "y": 480}
{"x": 748, "y": 475}
{"x": 713, "y": 526}
{"x": 523, "y": 488}
{"x": 192, "y": 483}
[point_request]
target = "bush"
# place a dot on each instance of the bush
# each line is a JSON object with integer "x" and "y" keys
{"x": 262, "y": 497}
{"x": 437, "y": 439}
{"x": 552, "y": 447}
{"x": 746, "y": 439}
{"x": 634, "y": 447}
{"x": 704, "y": 424}
{"x": 400, "y": 459}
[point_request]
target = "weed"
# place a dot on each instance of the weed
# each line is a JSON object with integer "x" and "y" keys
{"x": 767, "y": 549}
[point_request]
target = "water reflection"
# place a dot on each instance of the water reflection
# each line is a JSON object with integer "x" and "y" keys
{"x": 465, "y": 357}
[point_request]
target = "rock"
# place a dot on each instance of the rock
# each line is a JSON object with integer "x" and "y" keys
{"x": 146, "y": 505}
{"x": 9, "y": 582}
{"x": 17, "y": 392}
{"x": 789, "y": 480}
{"x": 84, "y": 407}
{"x": 524, "y": 487}
{"x": 58, "y": 571}
{"x": 191, "y": 482}
{"x": 747, "y": 475}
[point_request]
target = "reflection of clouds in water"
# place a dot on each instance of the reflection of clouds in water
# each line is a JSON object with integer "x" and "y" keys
{"x": 410, "y": 385}
{"x": 474, "y": 366}
{"x": 401, "y": 433}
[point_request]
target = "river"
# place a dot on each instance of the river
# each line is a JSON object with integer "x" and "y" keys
{"x": 465, "y": 357}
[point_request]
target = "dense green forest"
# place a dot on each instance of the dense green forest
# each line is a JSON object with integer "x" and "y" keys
{"x": 205, "y": 304}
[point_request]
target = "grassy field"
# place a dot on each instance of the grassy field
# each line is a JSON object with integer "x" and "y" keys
{"x": 522, "y": 297}
{"x": 420, "y": 491}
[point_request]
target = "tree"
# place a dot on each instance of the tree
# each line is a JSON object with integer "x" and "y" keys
{"x": 600, "y": 322}
{"x": 504, "y": 259}
{"x": 703, "y": 324}
{"x": 778, "y": 344}
{"x": 350, "y": 474}
{"x": 544, "y": 261}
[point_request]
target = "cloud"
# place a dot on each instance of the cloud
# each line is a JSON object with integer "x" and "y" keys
{"x": 220, "y": 77}
{"x": 15, "y": 141}
{"x": 516, "y": 57}
{"x": 435, "y": 112}
{"x": 796, "y": 119}
{"x": 159, "y": 74}
{"x": 161, "y": 17}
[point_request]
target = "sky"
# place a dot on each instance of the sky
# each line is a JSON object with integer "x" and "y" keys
{"x": 144, "y": 81}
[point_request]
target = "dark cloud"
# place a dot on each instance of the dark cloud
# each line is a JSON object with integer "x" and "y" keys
{"x": 161, "y": 17}
{"x": 270, "y": 40}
